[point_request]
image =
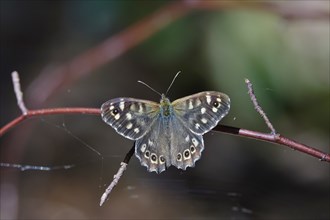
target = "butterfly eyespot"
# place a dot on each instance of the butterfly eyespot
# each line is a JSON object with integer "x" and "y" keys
{"x": 115, "y": 111}
{"x": 192, "y": 149}
{"x": 216, "y": 104}
{"x": 161, "y": 159}
{"x": 147, "y": 154}
{"x": 186, "y": 154}
{"x": 153, "y": 158}
{"x": 179, "y": 157}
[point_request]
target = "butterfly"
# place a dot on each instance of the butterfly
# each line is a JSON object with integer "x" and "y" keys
{"x": 167, "y": 133}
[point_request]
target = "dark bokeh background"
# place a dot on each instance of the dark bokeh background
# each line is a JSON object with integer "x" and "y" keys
{"x": 286, "y": 59}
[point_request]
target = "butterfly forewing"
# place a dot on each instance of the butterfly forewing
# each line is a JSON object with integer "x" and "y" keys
{"x": 131, "y": 118}
{"x": 202, "y": 111}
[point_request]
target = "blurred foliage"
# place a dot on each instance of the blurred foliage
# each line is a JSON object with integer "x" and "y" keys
{"x": 288, "y": 77}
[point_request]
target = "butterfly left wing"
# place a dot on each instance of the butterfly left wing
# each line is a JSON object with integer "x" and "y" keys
{"x": 202, "y": 111}
{"x": 130, "y": 117}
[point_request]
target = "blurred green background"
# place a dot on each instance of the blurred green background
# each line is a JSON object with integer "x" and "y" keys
{"x": 286, "y": 58}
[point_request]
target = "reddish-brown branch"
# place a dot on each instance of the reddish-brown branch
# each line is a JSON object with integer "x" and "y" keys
{"x": 277, "y": 139}
{"x": 52, "y": 111}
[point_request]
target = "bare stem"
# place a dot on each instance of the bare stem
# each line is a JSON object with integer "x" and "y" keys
{"x": 257, "y": 106}
{"x": 18, "y": 92}
{"x": 117, "y": 176}
{"x": 33, "y": 167}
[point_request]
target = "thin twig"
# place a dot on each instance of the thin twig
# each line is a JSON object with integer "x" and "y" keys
{"x": 117, "y": 176}
{"x": 33, "y": 167}
{"x": 276, "y": 139}
{"x": 257, "y": 106}
{"x": 18, "y": 92}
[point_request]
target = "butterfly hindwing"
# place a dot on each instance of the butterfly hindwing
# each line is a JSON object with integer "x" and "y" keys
{"x": 129, "y": 117}
{"x": 168, "y": 143}
{"x": 186, "y": 146}
{"x": 202, "y": 111}
{"x": 153, "y": 149}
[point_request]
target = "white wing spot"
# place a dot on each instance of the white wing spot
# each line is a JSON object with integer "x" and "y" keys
{"x": 150, "y": 143}
{"x": 198, "y": 102}
{"x": 111, "y": 107}
{"x": 136, "y": 130}
{"x": 117, "y": 116}
{"x": 203, "y": 110}
{"x": 133, "y": 107}
{"x": 204, "y": 120}
{"x": 129, "y": 116}
{"x": 190, "y": 105}
{"x": 129, "y": 125}
{"x": 208, "y": 99}
{"x": 197, "y": 126}
{"x": 143, "y": 147}
{"x": 214, "y": 109}
{"x": 140, "y": 108}
{"x": 218, "y": 99}
{"x": 187, "y": 138}
{"x": 122, "y": 106}
{"x": 195, "y": 142}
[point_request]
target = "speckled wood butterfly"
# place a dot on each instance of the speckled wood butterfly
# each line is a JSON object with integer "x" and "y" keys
{"x": 167, "y": 133}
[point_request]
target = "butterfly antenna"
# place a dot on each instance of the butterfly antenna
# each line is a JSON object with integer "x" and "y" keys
{"x": 176, "y": 75}
{"x": 143, "y": 83}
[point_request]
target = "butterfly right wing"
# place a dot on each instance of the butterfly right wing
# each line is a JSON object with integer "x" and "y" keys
{"x": 131, "y": 118}
{"x": 202, "y": 111}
